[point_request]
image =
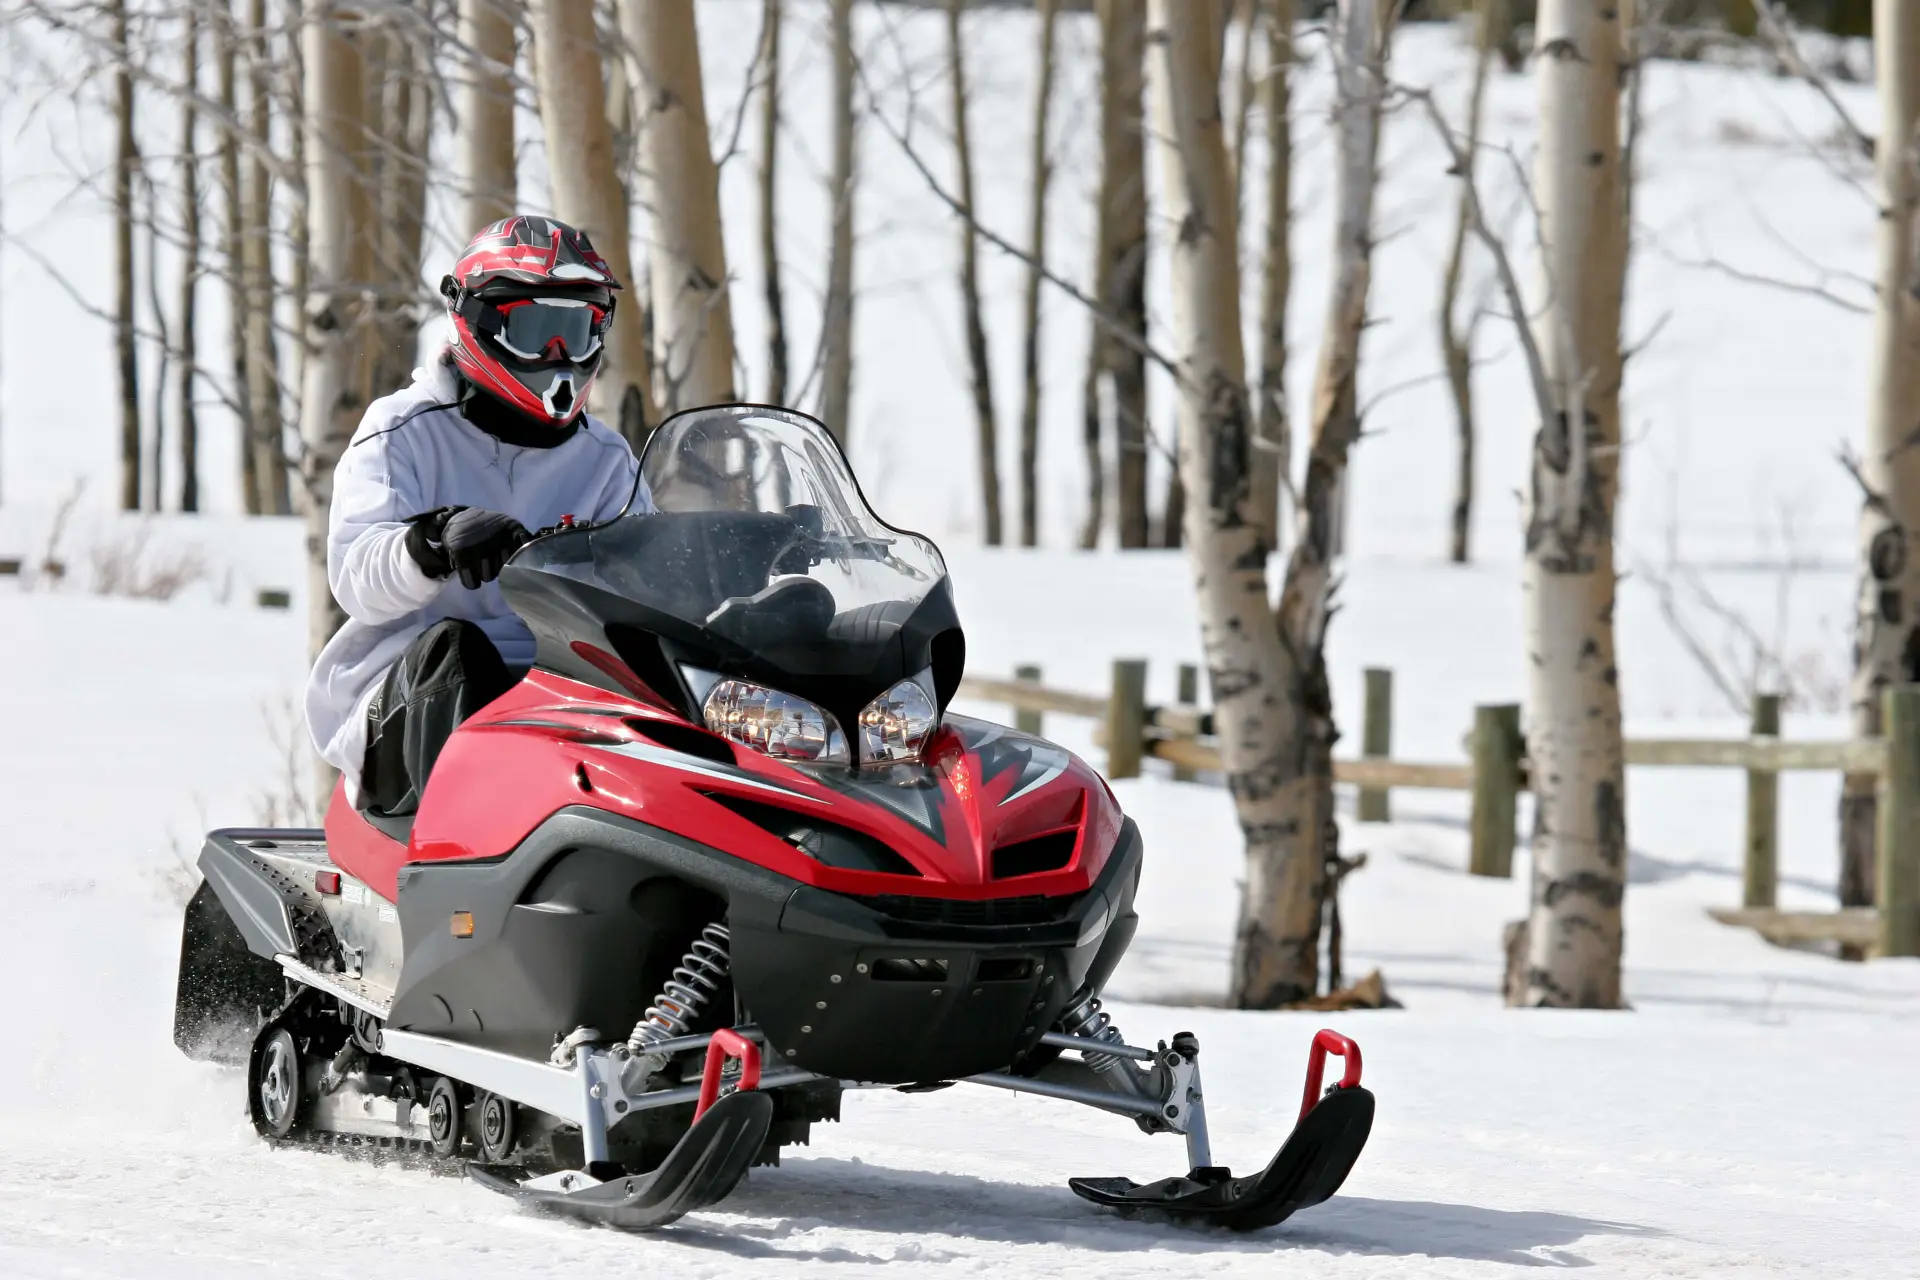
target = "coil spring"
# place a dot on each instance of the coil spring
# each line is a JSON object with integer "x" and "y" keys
{"x": 694, "y": 982}
{"x": 1084, "y": 1017}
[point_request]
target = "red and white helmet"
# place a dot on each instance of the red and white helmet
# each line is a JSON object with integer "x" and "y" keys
{"x": 531, "y": 304}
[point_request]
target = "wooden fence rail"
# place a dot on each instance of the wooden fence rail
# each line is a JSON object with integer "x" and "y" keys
{"x": 1132, "y": 730}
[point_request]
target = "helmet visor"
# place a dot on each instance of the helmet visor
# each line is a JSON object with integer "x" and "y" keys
{"x": 550, "y": 329}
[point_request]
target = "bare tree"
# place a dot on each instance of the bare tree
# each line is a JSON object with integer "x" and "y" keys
{"x": 1037, "y": 238}
{"x": 769, "y": 204}
{"x": 402, "y": 95}
{"x": 1120, "y": 275}
{"x": 836, "y": 333}
{"x": 1456, "y": 332}
{"x": 1573, "y": 939}
{"x": 692, "y": 314}
{"x": 1886, "y": 645}
{"x": 189, "y": 260}
{"x": 260, "y": 352}
{"x": 1273, "y": 453}
{"x": 225, "y": 55}
{"x": 1268, "y": 673}
{"x": 126, "y": 164}
{"x": 260, "y": 356}
{"x": 339, "y": 214}
{"x": 979, "y": 366}
{"x": 485, "y": 106}
{"x": 588, "y": 194}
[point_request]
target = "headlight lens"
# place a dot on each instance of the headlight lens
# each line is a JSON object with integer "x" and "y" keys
{"x": 896, "y": 725}
{"x": 774, "y": 723}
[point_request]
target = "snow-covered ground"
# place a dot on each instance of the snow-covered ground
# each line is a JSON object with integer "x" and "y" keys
{"x": 1754, "y": 1115}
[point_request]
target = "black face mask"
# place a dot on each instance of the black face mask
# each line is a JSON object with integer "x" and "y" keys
{"x": 509, "y": 425}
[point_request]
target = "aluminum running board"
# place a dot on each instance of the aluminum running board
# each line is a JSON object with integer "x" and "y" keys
{"x": 364, "y": 996}
{"x": 558, "y": 1091}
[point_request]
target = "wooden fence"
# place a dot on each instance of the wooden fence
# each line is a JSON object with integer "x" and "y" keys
{"x": 1495, "y": 773}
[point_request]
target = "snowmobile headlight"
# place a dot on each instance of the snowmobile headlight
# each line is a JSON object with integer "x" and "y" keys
{"x": 774, "y": 723}
{"x": 895, "y": 726}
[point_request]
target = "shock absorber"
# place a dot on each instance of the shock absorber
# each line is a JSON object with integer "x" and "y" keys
{"x": 1085, "y": 1018}
{"x": 696, "y": 980}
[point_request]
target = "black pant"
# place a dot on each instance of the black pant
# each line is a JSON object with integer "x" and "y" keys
{"x": 450, "y": 671}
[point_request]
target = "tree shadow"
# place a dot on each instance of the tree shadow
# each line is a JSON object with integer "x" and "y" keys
{"x": 781, "y": 1207}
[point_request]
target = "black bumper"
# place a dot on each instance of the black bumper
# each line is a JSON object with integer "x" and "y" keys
{"x": 910, "y": 989}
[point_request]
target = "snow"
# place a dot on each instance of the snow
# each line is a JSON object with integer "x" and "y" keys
{"x": 1753, "y": 1116}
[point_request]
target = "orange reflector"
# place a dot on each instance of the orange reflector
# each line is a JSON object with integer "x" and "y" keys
{"x": 463, "y": 924}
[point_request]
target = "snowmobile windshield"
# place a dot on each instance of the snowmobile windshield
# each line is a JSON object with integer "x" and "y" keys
{"x": 761, "y": 544}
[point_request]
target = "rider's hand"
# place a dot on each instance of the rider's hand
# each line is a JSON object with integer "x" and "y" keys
{"x": 470, "y": 541}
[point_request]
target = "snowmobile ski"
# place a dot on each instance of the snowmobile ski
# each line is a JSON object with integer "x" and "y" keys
{"x": 1315, "y": 1159}
{"x": 702, "y": 1169}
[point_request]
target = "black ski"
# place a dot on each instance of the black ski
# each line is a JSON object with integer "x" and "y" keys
{"x": 702, "y": 1169}
{"x": 1308, "y": 1169}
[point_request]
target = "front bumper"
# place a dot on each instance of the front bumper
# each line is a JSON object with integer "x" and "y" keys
{"x": 918, "y": 989}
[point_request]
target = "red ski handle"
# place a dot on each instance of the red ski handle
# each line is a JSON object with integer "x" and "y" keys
{"x": 727, "y": 1044}
{"x": 1324, "y": 1043}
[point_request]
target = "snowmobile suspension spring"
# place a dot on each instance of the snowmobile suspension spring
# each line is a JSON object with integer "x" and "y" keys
{"x": 694, "y": 982}
{"x": 1084, "y": 1017}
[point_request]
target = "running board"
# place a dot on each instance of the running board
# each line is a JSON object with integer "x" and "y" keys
{"x": 363, "y": 996}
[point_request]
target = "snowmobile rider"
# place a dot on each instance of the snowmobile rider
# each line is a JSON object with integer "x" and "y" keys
{"x": 441, "y": 484}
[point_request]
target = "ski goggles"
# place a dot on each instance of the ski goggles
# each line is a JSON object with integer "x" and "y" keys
{"x": 546, "y": 328}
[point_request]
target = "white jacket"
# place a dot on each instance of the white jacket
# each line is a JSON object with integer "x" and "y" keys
{"x": 412, "y": 452}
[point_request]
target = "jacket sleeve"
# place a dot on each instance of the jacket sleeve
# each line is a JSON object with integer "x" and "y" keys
{"x": 375, "y": 489}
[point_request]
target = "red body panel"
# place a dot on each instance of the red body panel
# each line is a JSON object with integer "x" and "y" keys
{"x": 553, "y": 742}
{"x": 362, "y": 850}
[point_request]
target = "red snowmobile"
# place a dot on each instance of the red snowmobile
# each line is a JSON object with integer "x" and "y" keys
{"x": 720, "y": 857}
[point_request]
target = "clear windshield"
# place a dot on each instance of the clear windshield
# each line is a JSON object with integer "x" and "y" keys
{"x": 760, "y": 535}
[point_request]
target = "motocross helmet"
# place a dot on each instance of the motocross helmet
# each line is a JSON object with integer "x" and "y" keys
{"x": 531, "y": 303}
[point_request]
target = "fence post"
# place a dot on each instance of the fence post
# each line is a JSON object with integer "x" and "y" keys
{"x": 1496, "y": 790}
{"x": 1899, "y": 834}
{"x": 1376, "y": 740}
{"x": 1127, "y": 718}
{"x": 1024, "y": 720}
{"x": 1762, "y": 876}
{"x": 1189, "y": 696}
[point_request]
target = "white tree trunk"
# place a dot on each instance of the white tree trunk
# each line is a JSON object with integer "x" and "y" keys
{"x": 692, "y": 313}
{"x": 1573, "y": 734}
{"x": 339, "y": 175}
{"x": 1887, "y": 623}
{"x": 1037, "y": 241}
{"x": 587, "y": 193}
{"x": 1277, "y": 767}
{"x": 836, "y": 339}
{"x": 401, "y": 104}
{"x": 226, "y": 42}
{"x": 484, "y": 101}
{"x": 261, "y": 356}
{"x": 1272, "y": 460}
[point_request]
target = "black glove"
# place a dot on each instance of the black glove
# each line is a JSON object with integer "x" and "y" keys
{"x": 471, "y": 541}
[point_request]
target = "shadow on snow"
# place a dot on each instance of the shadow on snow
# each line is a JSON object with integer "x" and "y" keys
{"x": 933, "y": 1209}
